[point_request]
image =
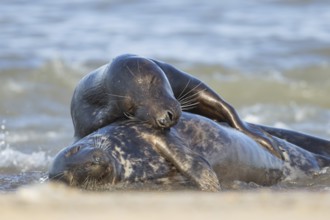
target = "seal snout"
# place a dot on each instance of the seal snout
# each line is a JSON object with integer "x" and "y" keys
{"x": 166, "y": 120}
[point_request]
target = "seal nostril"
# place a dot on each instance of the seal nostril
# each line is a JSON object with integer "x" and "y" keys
{"x": 166, "y": 120}
{"x": 170, "y": 115}
{"x": 161, "y": 122}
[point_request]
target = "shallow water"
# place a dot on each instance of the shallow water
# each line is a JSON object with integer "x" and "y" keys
{"x": 269, "y": 58}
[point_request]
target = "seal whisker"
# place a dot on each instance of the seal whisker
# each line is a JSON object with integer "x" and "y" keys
{"x": 59, "y": 175}
{"x": 96, "y": 141}
{"x": 101, "y": 142}
{"x": 189, "y": 92}
{"x": 91, "y": 184}
{"x": 138, "y": 65}
{"x": 95, "y": 185}
{"x": 187, "y": 101}
{"x": 85, "y": 182}
{"x": 130, "y": 71}
{"x": 190, "y": 102}
{"x": 105, "y": 145}
{"x": 184, "y": 89}
{"x": 194, "y": 95}
{"x": 191, "y": 96}
{"x": 131, "y": 118}
{"x": 119, "y": 96}
{"x": 189, "y": 106}
{"x": 129, "y": 115}
{"x": 70, "y": 181}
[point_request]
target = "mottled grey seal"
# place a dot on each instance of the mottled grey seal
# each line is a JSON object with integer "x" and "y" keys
{"x": 130, "y": 152}
{"x": 148, "y": 90}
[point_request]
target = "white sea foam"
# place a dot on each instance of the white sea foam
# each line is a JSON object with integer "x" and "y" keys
{"x": 14, "y": 159}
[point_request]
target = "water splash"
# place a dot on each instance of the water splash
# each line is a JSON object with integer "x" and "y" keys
{"x": 3, "y": 134}
{"x": 12, "y": 159}
{"x": 15, "y": 160}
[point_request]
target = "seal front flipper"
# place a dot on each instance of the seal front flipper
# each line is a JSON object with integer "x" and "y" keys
{"x": 196, "y": 97}
{"x": 190, "y": 164}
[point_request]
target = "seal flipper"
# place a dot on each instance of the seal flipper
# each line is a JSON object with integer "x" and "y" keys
{"x": 323, "y": 161}
{"x": 310, "y": 143}
{"x": 204, "y": 101}
{"x": 189, "y": 163}
{"x": 265, "y": 140}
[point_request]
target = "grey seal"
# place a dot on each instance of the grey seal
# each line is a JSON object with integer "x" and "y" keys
{"x": 125, "y": 153}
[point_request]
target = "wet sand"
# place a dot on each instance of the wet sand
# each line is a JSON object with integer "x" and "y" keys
{"x": 49, "y": 201}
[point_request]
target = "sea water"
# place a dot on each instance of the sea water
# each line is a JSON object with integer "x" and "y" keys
{"x": 269, "y": 58}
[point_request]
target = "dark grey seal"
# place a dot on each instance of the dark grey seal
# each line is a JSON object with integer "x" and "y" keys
{"x": 129, "y": 152}
{"x": 151, "y": 91}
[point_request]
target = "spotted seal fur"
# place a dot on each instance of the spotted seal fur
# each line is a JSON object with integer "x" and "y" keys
{"x": 127, "y": 152}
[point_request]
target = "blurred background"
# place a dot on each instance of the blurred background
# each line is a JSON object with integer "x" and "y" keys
{"x": 269, "y": 58}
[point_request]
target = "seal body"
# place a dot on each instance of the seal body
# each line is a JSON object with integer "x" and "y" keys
{"x": 151, "y": 91}
{"x": 128, "y": 153}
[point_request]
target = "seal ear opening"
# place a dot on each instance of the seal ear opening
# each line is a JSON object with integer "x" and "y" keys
{"x": 73, "y": 151}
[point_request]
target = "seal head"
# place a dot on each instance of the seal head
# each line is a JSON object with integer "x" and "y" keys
{"x": 84, "y": 165}
{"x": 148, "y": 93}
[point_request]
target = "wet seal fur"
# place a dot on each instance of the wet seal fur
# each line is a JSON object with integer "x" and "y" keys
{"x": 151, "y": 91}
{"x": 126, "y": 153}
